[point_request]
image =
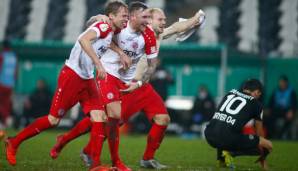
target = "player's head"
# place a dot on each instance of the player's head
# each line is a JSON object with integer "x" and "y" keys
{"x": 139, "y": 15}
{"x": 253, "y": 87}
{"x": 158, "y": 20}
{"x": 117, "y": 11}
{"x": 283, "y": 82}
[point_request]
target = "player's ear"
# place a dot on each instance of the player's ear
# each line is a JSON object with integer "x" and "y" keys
{"x": 111, "y": 16}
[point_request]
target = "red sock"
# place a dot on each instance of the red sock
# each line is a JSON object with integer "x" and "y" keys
{"x": 112, "y": 129}
{"x": 80, "y": 128}
{"x": 96, "y": 140}
{"x": 39, "y": 125}
{"x": 87, "y": 148}
{"x": 154, "y": 140}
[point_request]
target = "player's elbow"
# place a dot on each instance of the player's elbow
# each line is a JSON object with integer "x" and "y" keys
{"x": 82, "y": 40}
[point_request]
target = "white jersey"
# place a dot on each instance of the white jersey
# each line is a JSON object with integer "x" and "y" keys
{"x": 135, "y": 45}
{"x": 79, "y": 61}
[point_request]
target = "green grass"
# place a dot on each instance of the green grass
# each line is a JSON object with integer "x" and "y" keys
{"x": 180, "y": 154}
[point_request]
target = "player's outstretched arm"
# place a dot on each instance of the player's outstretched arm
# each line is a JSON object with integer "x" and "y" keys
{"x": 182, "y": 26}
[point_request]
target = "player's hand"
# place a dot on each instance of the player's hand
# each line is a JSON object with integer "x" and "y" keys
{"x": 103, "y": 18}
{"x": 125, "y": 61}
{"x": 131, "y": 87}
{"x": 101, "y": 73}
{"x": 200, "y": 15}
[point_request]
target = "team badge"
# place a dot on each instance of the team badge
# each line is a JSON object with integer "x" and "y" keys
{"x": 135, "y": 45}
{"x": 61, "y": 112}
{"x": 110, "y": 95}
{"x": 103, "y": 27}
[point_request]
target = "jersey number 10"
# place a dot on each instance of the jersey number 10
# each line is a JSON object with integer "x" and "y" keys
{"x": 231, "y": 99}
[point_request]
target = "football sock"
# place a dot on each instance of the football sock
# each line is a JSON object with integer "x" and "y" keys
{"x": 80, "y": 128}
{"x": 96, "y": 140}
{"x": 39, "y": 125}
{"x": 219, "y": 155}
{"x": 112, "y": 129}
{"x": 87, "y": 148}
{"x": 154, "y": 140}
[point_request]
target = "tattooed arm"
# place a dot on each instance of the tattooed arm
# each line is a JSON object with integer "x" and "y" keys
{"x": 144, "y": 78}
{"x": 152, "y": 64}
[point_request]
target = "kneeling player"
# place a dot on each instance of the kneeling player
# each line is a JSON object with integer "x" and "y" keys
{"x": 224, "y": 132}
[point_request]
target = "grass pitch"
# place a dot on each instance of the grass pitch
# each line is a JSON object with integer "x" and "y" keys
{"x": 179, "y": 154}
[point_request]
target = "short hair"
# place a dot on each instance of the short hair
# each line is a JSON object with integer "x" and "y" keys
{"x": 153, "y": 10}
{"x": 252, "y": 85}
{"x": 113, "y": 6}
{"x": 137, "y": 5}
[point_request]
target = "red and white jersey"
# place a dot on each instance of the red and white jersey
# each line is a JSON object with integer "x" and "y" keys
{"x": 135, "y": 45}
{"x": 79, "y": 61}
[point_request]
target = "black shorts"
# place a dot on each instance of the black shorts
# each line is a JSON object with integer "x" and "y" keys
{"x": 227, "y": 140}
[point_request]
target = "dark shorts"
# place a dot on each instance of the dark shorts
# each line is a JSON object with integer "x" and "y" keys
{"x": 228, "y": 140}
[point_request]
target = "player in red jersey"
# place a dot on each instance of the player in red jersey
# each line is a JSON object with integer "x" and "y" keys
{"x": 76, "y": 84}
{"x": 144, "y": 98}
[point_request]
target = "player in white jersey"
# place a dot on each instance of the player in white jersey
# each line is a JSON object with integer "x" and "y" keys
{"x": 76, "y": 84}
{"x": 130, "y": 102}
{"x": 145, "y": 98}
{"x": 135, "y": 40}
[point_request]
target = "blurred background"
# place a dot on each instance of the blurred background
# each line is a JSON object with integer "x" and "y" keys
{"x": 241, "y": 39}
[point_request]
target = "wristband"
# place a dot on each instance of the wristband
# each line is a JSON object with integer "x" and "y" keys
{"x": 140, "y": 83}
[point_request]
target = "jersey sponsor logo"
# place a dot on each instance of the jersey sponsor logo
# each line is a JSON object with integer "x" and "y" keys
{"x": 130, "y": 53}
{"x": 224, "y": 118}
{"x": 101, "y": 50}
{"x": 103, "y": 27}
{"x": 110, "y": 95}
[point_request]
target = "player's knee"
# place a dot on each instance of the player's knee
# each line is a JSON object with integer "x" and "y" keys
{"x": 53, "y": 120}
{"x": 98, "y": 116}
{"x": 114, "y": 110}
{"x": 162, "y": 119}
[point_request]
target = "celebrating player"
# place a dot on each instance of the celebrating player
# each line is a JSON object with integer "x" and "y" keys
{"x": 224, "y": 132}
{"x": 76, "y": 84}
{"x": 160, "y": 119}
